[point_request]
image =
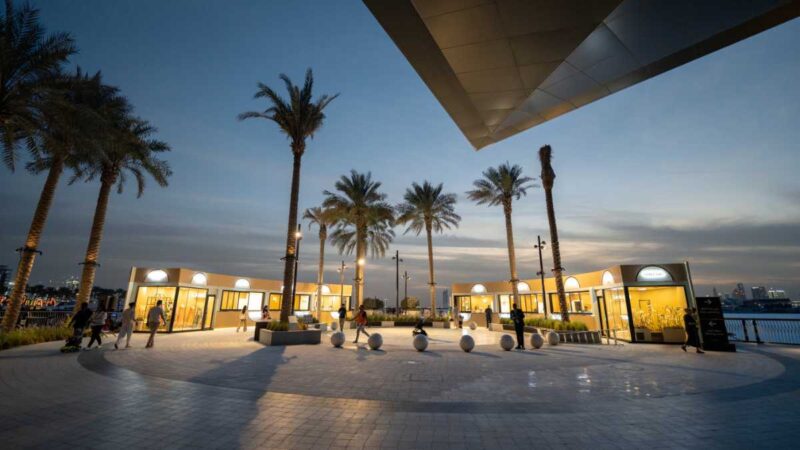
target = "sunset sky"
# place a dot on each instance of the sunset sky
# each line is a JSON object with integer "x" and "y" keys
{"x": 699, "y": 164}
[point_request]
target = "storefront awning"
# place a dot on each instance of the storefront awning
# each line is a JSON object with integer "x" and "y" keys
{"x": 500, "y": 67}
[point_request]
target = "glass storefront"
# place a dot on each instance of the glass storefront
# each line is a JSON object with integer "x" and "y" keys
{"x": 614, "y": 314}
{"x": 528, "y": 303}
{"x": 236, "y": 300}
{"x": 474, "y": 303}
{"x": 577, "y": 302}
{"x": 658, "y": 313}
{"x": 146, "y": 298}
{"x": 190, "y": 309}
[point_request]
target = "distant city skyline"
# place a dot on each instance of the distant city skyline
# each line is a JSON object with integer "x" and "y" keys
{"x": 644, "y": 176}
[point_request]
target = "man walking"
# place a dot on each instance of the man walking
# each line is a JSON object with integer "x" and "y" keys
{"x": 126, "y": 329}
{"x": 519, "y": 325}
{"x": 154, "y": 319}
{"x": 342, "y": 317}
{"x": 488, "y": 313}
{"x": 361, "y": 323}
{"x": 692, "y": 336}
{"x": 79, "y": 322}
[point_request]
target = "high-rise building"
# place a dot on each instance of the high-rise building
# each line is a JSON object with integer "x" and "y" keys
{"x": 759, "y": 292}
{"x": 5, "y": 277}
{"x": 739, "y": 292}
{"x": 776, "y": 293}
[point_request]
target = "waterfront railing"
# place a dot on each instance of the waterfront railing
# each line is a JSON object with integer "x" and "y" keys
{"x": 764, "y": 330}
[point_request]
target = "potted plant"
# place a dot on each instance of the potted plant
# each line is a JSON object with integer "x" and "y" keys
{"x": 279, "y": 333}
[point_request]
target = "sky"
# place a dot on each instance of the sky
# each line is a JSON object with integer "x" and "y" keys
{"x": 699, "y": 163}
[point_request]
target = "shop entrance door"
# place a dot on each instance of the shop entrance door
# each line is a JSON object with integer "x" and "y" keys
{"x": 210, "y": 306}
{"x": 614, "y": 314}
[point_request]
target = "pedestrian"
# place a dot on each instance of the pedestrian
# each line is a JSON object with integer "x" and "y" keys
{"x": 126, "y": 328}
{"x": 488, "y": 313}
{"x": 342, "y": 317}
{"x": 79, "y": 321}
{"x": 519, "y": 325}
{"x": 361, "y": 323}
{"x": 265, "y": 312}
{"x": 692, "y": 336}
{"x": 456, "y": 315}
{"x": 154, "y": 319}
{"x": 242, "y": 319}
{"x": 97, "y": 322}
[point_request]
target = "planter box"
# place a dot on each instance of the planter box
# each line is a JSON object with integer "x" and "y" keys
{"x": 438, "y": 324}
{"x": 302, "y": 337}
{"x": 387, "y": 323}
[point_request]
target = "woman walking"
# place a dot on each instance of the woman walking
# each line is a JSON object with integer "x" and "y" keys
{"x": 361, "y": 323}
{"x": 242, "y": 319}
{"x": 692, "y": 336}
{"x": 97, "y": 322}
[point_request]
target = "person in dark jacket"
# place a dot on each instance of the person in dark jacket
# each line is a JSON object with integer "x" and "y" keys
{"x": 80, "y": 319}
{"x": 518, "y": 317}
{"x": 488, "y": 313}
{"x": 692, "y": 336}
{"x": 342, "y": 317}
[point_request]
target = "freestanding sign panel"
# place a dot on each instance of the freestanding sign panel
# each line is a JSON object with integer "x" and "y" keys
{"x": 712, "y": 325}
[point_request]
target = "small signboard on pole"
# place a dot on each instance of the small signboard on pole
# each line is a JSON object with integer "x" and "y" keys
{"x": 713, "y": 331}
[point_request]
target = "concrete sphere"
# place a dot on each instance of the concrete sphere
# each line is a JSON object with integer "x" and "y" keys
{"x": 334, "y": 326}
{"x": 466, "y": 343}
{"x": 473, "y": 326}
{"x": 506, "y": 342}
{"x": 375, "y": 341}
{"x": 537, "y": 341}
{"x": 337, "y": 339}
{"x": 420, "y": 342}
{"x": 552, "y": 338}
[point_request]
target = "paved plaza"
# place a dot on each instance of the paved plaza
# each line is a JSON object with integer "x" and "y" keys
{"x": 220, "y": 389}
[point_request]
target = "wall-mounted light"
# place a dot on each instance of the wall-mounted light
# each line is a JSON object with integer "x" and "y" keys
{"x": 241, "y": 283}
{"x": 478, "y": 289}
{"x": 157, "y": 276}
{"x": 572, "y": 283}
{"x": 200, "y": 279}
{"x": 608, "y": 278}
{"x": 523, "y": 287}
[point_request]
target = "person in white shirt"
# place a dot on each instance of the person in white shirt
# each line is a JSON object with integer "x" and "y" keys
{"x": 97, "y": 322}
{"x": 154, "y": 319}
{"x": 126, "y": 329}
{"x": 242, "y": 319}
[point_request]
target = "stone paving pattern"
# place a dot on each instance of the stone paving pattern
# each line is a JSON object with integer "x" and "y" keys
{"x": 222, "y": 390}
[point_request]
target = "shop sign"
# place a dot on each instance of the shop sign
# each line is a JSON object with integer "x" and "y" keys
{"x": 653, "y": 273}
{"x": 713, "y": 331}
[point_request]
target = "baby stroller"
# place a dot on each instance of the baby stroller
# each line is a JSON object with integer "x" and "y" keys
{"x": 73, "y": 343}
{"x": 418, "y": 328}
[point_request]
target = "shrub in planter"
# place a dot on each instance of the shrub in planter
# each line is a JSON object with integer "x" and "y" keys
{"x": 33, "y": 335}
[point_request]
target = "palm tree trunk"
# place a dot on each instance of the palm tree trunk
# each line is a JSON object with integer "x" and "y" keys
{"x": 431, "y": 278}
{"x": 96, "y": 236}
{"x": 512, "y": 258}
{"x": 551, "y": 218}
{"x": 361, "y": 252}
{"x": 323, "y": 236}
{"x": 291, "y": 239}
{"x": 28, "y": 255}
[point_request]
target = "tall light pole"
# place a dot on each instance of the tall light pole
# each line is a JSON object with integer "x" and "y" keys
{"x": 298, "y": 235}
{"x": 341, "y": 283}
{"x": 406, "y": 277}
{"x": 539, "y": 246}
{"x": 397, "y": 261}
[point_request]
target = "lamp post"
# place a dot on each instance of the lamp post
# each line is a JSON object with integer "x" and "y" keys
{"x": 539, "y": 246}
{"x": 298, "y": 236}
{"x": 397, "y": 261}
{"x": 341, "y": 283}
{"x": 406, "y": 277}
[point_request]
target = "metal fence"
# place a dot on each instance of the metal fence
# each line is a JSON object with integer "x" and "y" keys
{"x": 41, "y": 318}
{"x": 777, "y": 331}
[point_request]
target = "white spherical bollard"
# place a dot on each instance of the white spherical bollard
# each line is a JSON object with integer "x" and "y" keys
{"x": 506, "y": 342}
{"x": 466, "y": 343}
{"x": 334, "y": 326}
{"x": 420, "y": 342}
{"x": 473, "y": 326}
{"x": 552, "y": 338}
{"x": 337, "y": 339}
{"x": 375, "y": 341}
{"x": 537, "y": 341}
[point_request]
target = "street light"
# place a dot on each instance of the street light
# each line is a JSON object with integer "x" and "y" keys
{"x": 298, "y": 236}
{"x": 406, "y": 277}
{"x": 341, "y": 270}
{"x": 539, "y": 246}
{"x": 397, "y": 260}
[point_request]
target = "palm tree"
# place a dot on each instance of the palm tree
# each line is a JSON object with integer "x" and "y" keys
{"x": 127, "y": 148}
{"x": 548, "y": 178}
{"x": 427, "y": 208}
{"x": 364, "y": 221}
{"x": 29, "y": 65}
{"x": 299, "y": 118}
{"x": 501, "y": 186}
{"x": 323, "y": 219}
{"x": 68, "y": 124}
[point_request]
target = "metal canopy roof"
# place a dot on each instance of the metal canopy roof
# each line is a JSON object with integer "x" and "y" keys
{"x": 502, "y": 66}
